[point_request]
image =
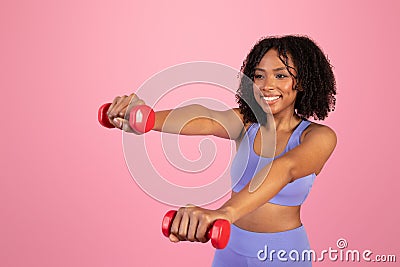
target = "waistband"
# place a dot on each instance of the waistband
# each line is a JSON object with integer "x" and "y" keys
{"x": 250, "y": 243}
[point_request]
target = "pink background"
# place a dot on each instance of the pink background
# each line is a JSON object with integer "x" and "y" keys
{"x": 66, "y": 196}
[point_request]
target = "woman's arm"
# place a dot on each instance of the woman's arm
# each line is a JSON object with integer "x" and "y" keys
{"x": 188, "y": 120}
{"x": 199, "y": 120}
{"x": 309, "y": 157}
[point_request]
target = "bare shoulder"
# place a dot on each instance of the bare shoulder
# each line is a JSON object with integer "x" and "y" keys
{"x": 317, "y": 144}
{"x": 317, "y": 132}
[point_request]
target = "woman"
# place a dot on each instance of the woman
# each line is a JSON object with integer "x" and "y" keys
{"x": 292, "y": 81}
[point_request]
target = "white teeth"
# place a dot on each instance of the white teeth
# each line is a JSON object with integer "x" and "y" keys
{"x": 272, "y": 98}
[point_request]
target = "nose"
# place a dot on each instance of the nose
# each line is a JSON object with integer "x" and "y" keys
{"x": 267, "y": 84}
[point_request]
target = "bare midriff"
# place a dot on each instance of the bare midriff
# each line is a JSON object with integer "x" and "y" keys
{"x": 270, "y": 218}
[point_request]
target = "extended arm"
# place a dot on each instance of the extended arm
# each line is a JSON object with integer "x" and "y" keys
{"x": 199, "y": 120}
{"x": 188, "y": 120}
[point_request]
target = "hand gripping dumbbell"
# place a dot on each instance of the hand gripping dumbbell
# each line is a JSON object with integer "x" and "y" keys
{"x": 141, "y": 118}
{"x": 218, "y": 233}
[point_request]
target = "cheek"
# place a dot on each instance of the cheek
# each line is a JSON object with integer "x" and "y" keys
{"x": 293, "y": 95}
{"x": 289, "y": 88}
{"x": 256, "y": 91}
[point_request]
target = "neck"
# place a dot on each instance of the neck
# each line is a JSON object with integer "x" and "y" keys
{"x": 285, "y": 122}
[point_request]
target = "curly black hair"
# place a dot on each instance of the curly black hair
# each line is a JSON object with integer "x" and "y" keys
{"x": 314, "y": 78}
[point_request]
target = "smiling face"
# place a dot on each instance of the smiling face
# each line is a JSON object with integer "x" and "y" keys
{"x": 273, "y": 84}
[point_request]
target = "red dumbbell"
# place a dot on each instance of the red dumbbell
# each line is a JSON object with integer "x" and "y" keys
{"x": 141, "y": 118}
{"x": 218, "y": 233}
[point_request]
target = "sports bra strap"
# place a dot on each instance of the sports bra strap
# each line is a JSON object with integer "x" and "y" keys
{"x": 295, "y": 137}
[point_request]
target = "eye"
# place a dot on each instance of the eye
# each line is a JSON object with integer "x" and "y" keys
{"x": 280, "y": 76}
{"x": 258, "y": 76}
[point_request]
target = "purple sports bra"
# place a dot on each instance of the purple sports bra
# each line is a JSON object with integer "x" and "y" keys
{"x": 247, "y": 163}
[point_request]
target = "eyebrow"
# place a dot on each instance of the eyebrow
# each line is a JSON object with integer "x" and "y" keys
{"x": 277, "y": 69}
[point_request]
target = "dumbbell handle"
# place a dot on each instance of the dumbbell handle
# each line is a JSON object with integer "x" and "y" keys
{"x": 141, "y": 118}
{"x": 218, "y": 233}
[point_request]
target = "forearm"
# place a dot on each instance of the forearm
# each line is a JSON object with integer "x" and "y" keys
{"x": 272, "y": 182}
{"x": 184, "y": 120}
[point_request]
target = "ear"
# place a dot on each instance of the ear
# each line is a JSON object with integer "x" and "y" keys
{"x": 298, "y": 87}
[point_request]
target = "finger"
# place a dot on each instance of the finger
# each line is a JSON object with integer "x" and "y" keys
{"x": 175, "y": 224}
{"x": 139, "y": 102}
{"x": 133, "y": 97}
{"x": 123, "y": 124}
{"x": 110, "y": 110}
{"x": 126, "y": 127}
{"x": 201, "y": 234}
{"x": 127, "y": 102}
{"x": 173, "y": 238}
{"x": 118, "y": 122}
{"x": 183, "y": 227}
{"x": 122, "y": 103}
{"x": 130, "y": 102}
{"x": 193, "y": 223}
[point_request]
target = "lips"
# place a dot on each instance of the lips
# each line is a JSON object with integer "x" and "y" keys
{"x": 271, "y": 98}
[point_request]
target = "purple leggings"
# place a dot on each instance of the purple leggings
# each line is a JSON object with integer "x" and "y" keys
{"x": 288, "y": 248}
